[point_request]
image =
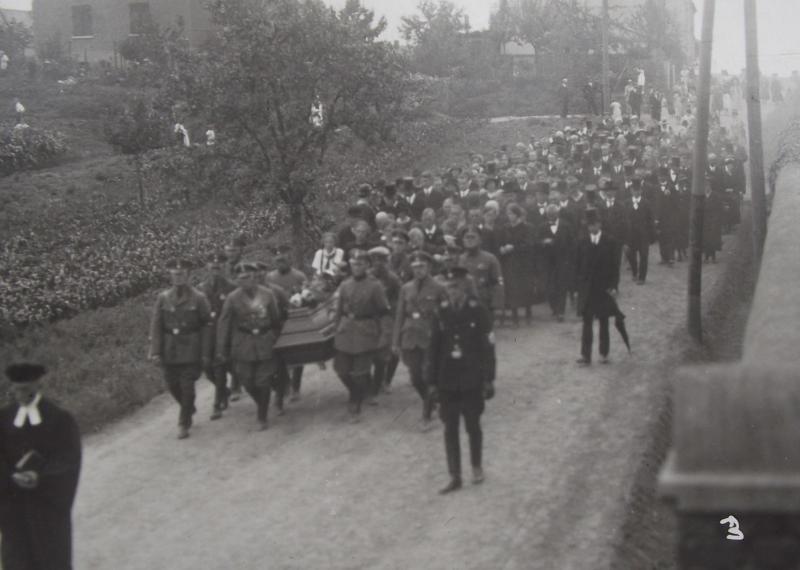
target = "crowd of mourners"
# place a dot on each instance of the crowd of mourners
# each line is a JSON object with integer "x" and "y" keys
{"x": 528, "y": 203}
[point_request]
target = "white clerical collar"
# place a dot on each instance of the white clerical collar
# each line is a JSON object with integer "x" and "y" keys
{"x": 596, "y": 237}
{"x": 29, "y": 412}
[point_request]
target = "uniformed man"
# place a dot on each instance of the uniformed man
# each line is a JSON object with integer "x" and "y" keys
{"x": 281, "y": 381}
{"x": 246, "y": 333}
{"x": 482, "y": 266}
{"x": 179, "y": 339}
{"x": 40, "y": 463}
{"x": 385, "y": 361}
{"x": 216, "y": 287}
{"x": 416, "y": 307}
{"x": 292, "y": 281}
{"x": 460, "y": 373}
{"x": 361, "y": 305}
{"x": 234, "y": 251}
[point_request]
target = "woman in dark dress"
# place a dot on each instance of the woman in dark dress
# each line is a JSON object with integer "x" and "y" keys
{"x": 490, "y": 230}
{"x": 517, "y": 260}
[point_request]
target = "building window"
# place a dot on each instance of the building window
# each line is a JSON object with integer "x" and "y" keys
{"x": 140, "y": 17}
{"x": 81, "y": 20}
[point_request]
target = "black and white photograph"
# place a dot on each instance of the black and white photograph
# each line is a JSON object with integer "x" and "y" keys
{"x": 399, "y": 285}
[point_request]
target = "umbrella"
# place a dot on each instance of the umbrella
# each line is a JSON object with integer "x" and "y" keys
{"x": 619, "y": 324}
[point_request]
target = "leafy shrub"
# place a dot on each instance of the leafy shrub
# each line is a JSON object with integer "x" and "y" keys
{"x": 25, "y": 148}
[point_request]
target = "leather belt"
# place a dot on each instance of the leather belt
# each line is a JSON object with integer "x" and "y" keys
{"x": 254, "y": 331}
{"x": 180, "y": 331}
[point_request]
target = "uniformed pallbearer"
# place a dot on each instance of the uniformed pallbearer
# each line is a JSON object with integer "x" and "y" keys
{"x": 361, "y": 305}
{"x": 179, "y": 339}
{"x": 416, "y": 307}
{"x": 384, "y": 357}
{"x": 246, "y": 333}
{"x": 216, "y": 287}
{"x": 460, "y": 372}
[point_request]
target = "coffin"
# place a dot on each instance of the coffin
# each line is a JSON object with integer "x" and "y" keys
{"x": 302, "y": 341}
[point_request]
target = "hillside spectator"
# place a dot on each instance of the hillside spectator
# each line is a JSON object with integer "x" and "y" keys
{"x": 590, "y": 95}
{"x": 19, "y": 111}
{"x": 3, "y": 62}
{"x": 563, "y": 97}
{"x": 328, "y": 256}
{"x": 182, "y": 135}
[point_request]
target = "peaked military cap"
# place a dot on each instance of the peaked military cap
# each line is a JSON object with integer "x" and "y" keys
{"x": 178, "y": 263}
{"x": 379, "y": 251}
{"x": 421, "y": 257}
{"x": 245, "y": 267}
{"x": 402, "y": 234}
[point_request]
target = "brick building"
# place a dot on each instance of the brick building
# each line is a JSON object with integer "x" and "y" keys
{"x": 92, "y": 29}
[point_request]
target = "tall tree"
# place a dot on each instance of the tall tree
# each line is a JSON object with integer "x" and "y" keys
{"x": 436, "y": 34}
{"x": 134, "y": 129}
{"x": 276, "y": 83}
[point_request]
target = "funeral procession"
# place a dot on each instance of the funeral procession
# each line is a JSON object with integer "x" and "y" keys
{"x": 360, "y": 284}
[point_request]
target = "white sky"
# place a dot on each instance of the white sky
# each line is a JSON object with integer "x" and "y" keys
{"x": 777, "y": 21}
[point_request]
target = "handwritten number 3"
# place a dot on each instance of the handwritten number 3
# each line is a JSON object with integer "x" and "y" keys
{"x": 733, "y": 531}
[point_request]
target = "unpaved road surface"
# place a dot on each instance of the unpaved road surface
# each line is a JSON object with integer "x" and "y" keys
{"x": 314, "y": 492}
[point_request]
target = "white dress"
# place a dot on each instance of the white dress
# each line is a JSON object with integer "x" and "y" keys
{"x": 616, "y": 111}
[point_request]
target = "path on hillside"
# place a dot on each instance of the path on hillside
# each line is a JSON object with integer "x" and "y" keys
{"x": 314, "y": 492}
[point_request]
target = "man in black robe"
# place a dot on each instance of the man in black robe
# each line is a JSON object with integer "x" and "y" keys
{"x": 40, "y": 461}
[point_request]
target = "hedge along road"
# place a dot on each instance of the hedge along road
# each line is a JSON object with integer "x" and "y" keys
{"x": 562, "y": 445}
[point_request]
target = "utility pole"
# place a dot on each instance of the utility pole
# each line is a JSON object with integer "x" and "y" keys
{"x": 757, "y": 194}
{"x": 698, "y": 202}
{"x": 606, "y": 68}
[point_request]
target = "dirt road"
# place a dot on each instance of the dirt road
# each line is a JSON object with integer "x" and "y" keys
{"x": 314, "y": 492}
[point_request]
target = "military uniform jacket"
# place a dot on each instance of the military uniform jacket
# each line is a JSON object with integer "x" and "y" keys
{"x": 485, "y": 270}
{"x": 249, "y": 326}
{"x": 391, "y": 286}
{"x": 416, "y": 309}
{"x": 180, "y": 327}
{"x": 461, "y": 353}
{"x": 216, "y": 291}
{"x": 361, "y": 305}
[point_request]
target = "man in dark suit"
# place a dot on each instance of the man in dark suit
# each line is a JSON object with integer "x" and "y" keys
{"x": 596, "y": 261}
{"x": 414, "y": 198}
{"x": 555, "y": 241}
{"x": 391, "y": 203}
{"x": 666, "y": 217}
{"x": 641, "y": 232}
{"x": 434, "y": 236}
{"x": 40, "y": 463}
{"x": 615, "y": 222}
{"x": 460, "y": 372}
{"x": 433, "y": 198}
